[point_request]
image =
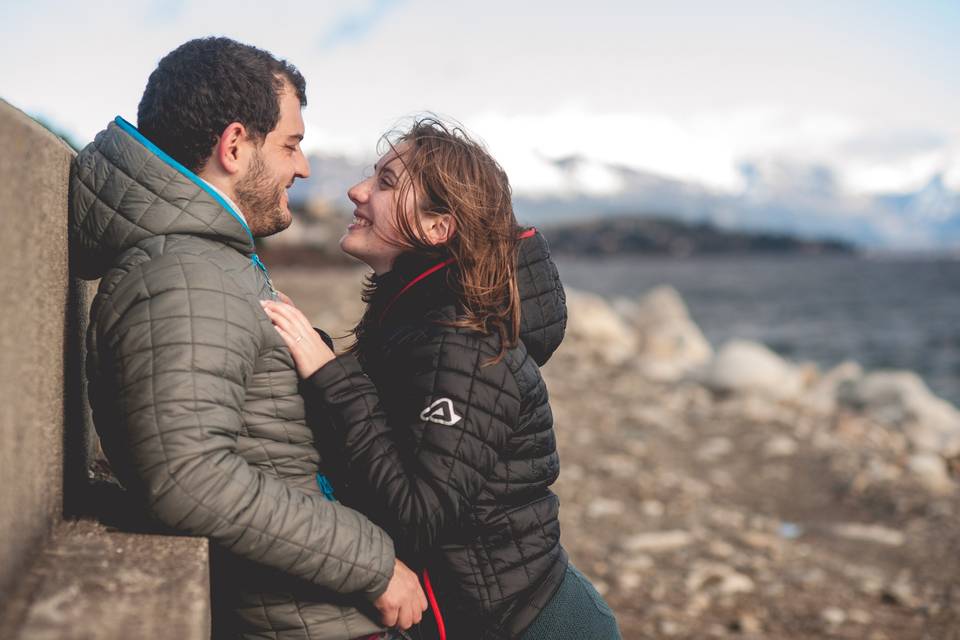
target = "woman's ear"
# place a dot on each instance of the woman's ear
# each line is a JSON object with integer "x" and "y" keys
{"x": 440, "y": 228}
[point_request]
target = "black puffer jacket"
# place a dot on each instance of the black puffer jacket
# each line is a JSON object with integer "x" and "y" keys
{"x": 460, "y": 472}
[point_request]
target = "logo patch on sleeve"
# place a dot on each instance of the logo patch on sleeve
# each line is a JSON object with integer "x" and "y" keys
{"x": 441, "y": 411}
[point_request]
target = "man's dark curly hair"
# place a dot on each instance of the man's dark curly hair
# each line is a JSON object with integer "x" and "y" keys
{"x": 205, "y": 84}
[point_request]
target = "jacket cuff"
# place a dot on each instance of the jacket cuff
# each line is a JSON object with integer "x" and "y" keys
{"x": 327, "y": 340}
{"x": 381, "y": 587}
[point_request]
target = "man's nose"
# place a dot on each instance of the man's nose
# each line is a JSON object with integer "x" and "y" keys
{"x": 303, "y": 166}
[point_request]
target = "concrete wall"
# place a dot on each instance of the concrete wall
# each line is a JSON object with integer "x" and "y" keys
{"x": 63, "y": 574}
{"x": 41, "y": 322}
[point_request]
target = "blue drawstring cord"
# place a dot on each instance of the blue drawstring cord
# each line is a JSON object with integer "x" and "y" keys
{"x": 258, "y": 263}
{"x": 325, "y": 486}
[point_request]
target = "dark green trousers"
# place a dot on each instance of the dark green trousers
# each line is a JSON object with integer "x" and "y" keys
{"x": 576, "y": 612}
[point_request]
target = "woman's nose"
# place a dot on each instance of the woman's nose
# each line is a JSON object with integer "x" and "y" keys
{"x": 359, "y": 192}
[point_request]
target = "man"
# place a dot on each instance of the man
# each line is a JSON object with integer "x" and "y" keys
{"x": 194, "y": 395}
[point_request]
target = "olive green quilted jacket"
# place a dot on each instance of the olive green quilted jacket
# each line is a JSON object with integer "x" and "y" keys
{"x": 196, "y": 399}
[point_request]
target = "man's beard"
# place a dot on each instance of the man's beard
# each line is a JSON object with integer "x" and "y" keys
{"x": 260, "y": 199}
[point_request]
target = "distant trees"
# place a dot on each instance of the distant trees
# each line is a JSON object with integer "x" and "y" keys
{"x": 657, "y": 235}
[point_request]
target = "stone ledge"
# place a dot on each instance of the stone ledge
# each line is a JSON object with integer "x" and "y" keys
{"x": 97, "y": 584}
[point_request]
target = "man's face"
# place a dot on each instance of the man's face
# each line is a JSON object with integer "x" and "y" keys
{"x": 262, "y": 190}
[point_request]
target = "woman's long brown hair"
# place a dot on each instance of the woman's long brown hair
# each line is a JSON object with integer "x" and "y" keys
{"x": 449, "y": 173}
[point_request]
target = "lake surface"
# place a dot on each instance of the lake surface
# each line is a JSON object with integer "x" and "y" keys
{"x": 884, "y": 313}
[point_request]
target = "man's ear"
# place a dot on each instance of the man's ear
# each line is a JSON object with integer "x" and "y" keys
{"x": 229, "y": 150}
{"x": 440, "y": 228}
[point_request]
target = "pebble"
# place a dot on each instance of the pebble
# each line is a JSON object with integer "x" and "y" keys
{"x": 639, "y": 562}
{"x": 870, "y": 533}
{"x": 721, "y": 549}
{"x": 697, "y": 604}
{"x": 736, "y": 583}
{"x": 619, "y": 465}
{"x": 759, "y": 540}
{"x": 834, "y": 616}
{"x": 813, "y": 576}
{"x": 629, "y": 581}
{"x": 931, "y": 470}
{"x": 636, "y": 448}
{"x": 652, "y": 508}
{"x": 728, "y": 518}
{"x": 718, "y": 578}
{"x": 603, "y": 507}
{"x": 714, "y": 449}
{"x": 657, "y": 541}
{"x": 749, "y": 623}
{"x": 780, "y": 447}
{"x": 669, "y": 628}
{"x": 900, "y": 592}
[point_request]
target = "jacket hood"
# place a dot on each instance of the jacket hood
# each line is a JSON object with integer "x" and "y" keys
{"x": 543, "y": 310}
{"x": 124, "y": 189}
{"x": 418, "y": 282}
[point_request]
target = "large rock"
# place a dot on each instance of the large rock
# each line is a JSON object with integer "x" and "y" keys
{"x": 595, "y": 330}
{"x": 822, "y": 396}
{"x": 747, "y": 367}
{"x": 931, "y": 471}
{"x": 670, "y": 344}
{"x": 900, "y": 399}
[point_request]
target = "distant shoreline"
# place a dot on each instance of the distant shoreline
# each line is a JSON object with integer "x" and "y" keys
{"x": 660, "y": 236}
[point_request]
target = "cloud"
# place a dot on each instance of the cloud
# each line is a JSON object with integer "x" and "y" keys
{"x": 355, "y": 25}
{"x": 895, "y": 142}
{"x": 827, "y": 153}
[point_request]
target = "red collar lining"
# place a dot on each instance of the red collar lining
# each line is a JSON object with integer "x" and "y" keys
{"x": 529, "y": 233}
{"x": 430, "y": 271}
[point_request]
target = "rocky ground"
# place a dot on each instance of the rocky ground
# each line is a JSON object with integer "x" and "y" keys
{"x": 734, "y": 493}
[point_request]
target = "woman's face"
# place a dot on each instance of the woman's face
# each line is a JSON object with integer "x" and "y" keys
{"x": 374, "y": 236}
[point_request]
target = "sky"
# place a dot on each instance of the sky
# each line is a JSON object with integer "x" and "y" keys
{"x": 690, "y": 90}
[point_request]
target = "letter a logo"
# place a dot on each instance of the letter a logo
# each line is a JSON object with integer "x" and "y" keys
{"x": 441, "y": 411}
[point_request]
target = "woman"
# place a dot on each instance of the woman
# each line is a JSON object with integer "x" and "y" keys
{"x": 449, "y": 443}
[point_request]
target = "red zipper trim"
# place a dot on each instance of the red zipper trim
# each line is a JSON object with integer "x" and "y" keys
{"x": 441, "y": 628}
{"x": 529, "y": 233}
{"x": 431, "y": 270}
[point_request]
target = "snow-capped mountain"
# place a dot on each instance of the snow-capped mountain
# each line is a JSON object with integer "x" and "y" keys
{"x": 806, "y": 201}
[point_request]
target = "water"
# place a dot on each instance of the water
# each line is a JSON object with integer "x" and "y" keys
{"x": 883, "y": 313}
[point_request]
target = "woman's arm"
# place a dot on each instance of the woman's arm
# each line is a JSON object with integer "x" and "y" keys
{"x": 459, "y": 416}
